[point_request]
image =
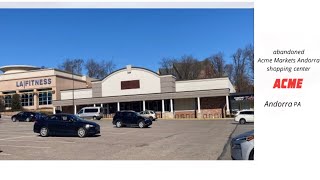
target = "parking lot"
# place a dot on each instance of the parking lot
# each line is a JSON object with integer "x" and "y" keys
{"x": 164, "y": 140}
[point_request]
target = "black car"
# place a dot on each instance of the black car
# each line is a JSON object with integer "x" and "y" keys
{"x": 27, "y": 116}
{"x": 130, "y": 118}
{"x": 65, "y": 124}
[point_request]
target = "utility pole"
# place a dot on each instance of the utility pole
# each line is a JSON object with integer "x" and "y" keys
{"x": 74, "y": 109}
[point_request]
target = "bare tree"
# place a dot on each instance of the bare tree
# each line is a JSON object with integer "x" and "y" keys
{"x": 218, "y": 64}
{"x": 187, "y": 68}
{"x": 100, "y": 69}
{"x": 249, "y": 53}
{"x": 207, "y": 70}
{"x": 240, "y": 75}
{"x": 229, "y": 70}
{"x": 166, "y": 66}
{"x": 72, "y": 66}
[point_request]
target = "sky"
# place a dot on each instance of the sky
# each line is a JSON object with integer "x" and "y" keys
{"x": 140, "y": 37}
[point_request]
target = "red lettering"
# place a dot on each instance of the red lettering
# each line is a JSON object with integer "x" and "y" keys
{"x": 299, "y": 83}
{"x": 288, "y": 83}
{"x": 276, "y": 83}
{"x": 292, "y": 83}
{"x": 283, "y": 83}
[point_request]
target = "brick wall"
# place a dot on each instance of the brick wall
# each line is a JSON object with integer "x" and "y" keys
{"x": 213, "y": 107}
{"x": 184, "y": 114}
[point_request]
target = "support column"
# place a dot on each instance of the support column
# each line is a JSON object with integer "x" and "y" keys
{"x": 108, "y": 109}
{"x": 227, "y": 104}
{"x": 199, "y": 111}
{"x": 163, "y": 105}
{"x": 101, "y": 105}
{"x": 94, "y": 105}
{"x": 54, "y": 110}
{"x": 171, "y": 105}
{"x": 143, "y": 105}
{"x": 118, "y": 106}
{"x": 35, "y": 99}
{"x": 75, "y": 109}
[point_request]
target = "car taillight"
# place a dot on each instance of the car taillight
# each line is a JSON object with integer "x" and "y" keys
{"x": 249, "y": 138}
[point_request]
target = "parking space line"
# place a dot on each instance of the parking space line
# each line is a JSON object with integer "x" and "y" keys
{"x": 4, "y": 154}
{"x": 122, "y": 132}
{"x": 14, "y": 138}
{"x": 39, "y": 147}
{"x": 66, "y": 142}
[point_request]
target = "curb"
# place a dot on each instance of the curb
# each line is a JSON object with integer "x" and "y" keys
{"x": 189, "y": 119}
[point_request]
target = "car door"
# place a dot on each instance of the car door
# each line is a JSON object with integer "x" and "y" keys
{"x": 66, "y": 125}
{"x": 142, "y": 113}
{"x": 19, "y": 116}
{"x": 133, "y": 118}
{"x": 127, "y": 118}
{"x": 54, "y": 124}
{"x": 251, "y": 116}
{"x": 24, "y": 116}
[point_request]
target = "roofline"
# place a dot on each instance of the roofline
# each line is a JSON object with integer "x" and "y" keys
{"x": 124, "y": 69}
{"x": 18, "y": 67}
{"x": 204, "y": 79}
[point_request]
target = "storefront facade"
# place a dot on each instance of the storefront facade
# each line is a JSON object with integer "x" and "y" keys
{"x": 138, "y": 89}
{"x": 37, "y": 87}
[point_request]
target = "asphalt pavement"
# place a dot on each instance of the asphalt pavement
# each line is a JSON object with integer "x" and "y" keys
{"x": 164, "y": 140}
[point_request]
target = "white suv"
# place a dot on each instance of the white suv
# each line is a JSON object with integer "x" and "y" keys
{"x": 244, "y": 116}
{"x": 149, "y": 114}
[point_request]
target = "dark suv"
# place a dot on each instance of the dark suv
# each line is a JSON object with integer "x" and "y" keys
{"x": 130, "y": 118}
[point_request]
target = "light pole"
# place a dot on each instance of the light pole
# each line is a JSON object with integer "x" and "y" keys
{"x": 74, "y": 109}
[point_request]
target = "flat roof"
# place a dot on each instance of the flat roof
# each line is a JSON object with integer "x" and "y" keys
{"x": 9, "y": 68}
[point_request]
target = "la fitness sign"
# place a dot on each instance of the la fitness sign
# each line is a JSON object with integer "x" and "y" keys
{"x": 34, "y": 82}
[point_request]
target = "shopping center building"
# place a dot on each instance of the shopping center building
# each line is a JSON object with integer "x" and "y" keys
{"x": 129, "y": 88}
{"x": 138, "y": 89}
{"x": 37, "y": 87}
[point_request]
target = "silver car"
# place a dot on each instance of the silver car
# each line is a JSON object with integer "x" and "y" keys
{"x": 91, "y": 112}
{"x": 149, "y": 114}
{"x": 242, "y": 146}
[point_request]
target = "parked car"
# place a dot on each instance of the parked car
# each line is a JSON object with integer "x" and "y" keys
{"x": 91, "y": 112}
{"x": 244, "y": 116}
{"x": 149, "y": 114}
{"x": 65, "y": 124}
{"x": 242, "y": 146}
{"x": 27, "y": 116}
{"x": 130, "y": 118}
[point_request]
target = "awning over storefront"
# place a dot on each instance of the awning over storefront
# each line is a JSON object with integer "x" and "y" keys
{"x": 144, "y": 97}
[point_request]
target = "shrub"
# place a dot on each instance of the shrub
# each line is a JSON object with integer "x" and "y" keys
{"x": 16, "y": 103}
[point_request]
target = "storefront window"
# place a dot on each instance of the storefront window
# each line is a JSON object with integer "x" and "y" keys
{"x": 8, "y": 100}
{"x": 27, "y": 99}
{"x": 45, "y": 98}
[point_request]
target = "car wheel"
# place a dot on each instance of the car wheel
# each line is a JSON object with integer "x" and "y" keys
{"x": 82, "y": 132}
{"x": 44, "y": 132}
{"x": 141, "y": 124}
{"x": 118, "y": 124}
{"x": 28, "y": 120}
{"x": 242, "y": 121}
{"x": 14, "y": 119}
{"x": 151, "y": 118}
{"x": 251, "y": 156}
